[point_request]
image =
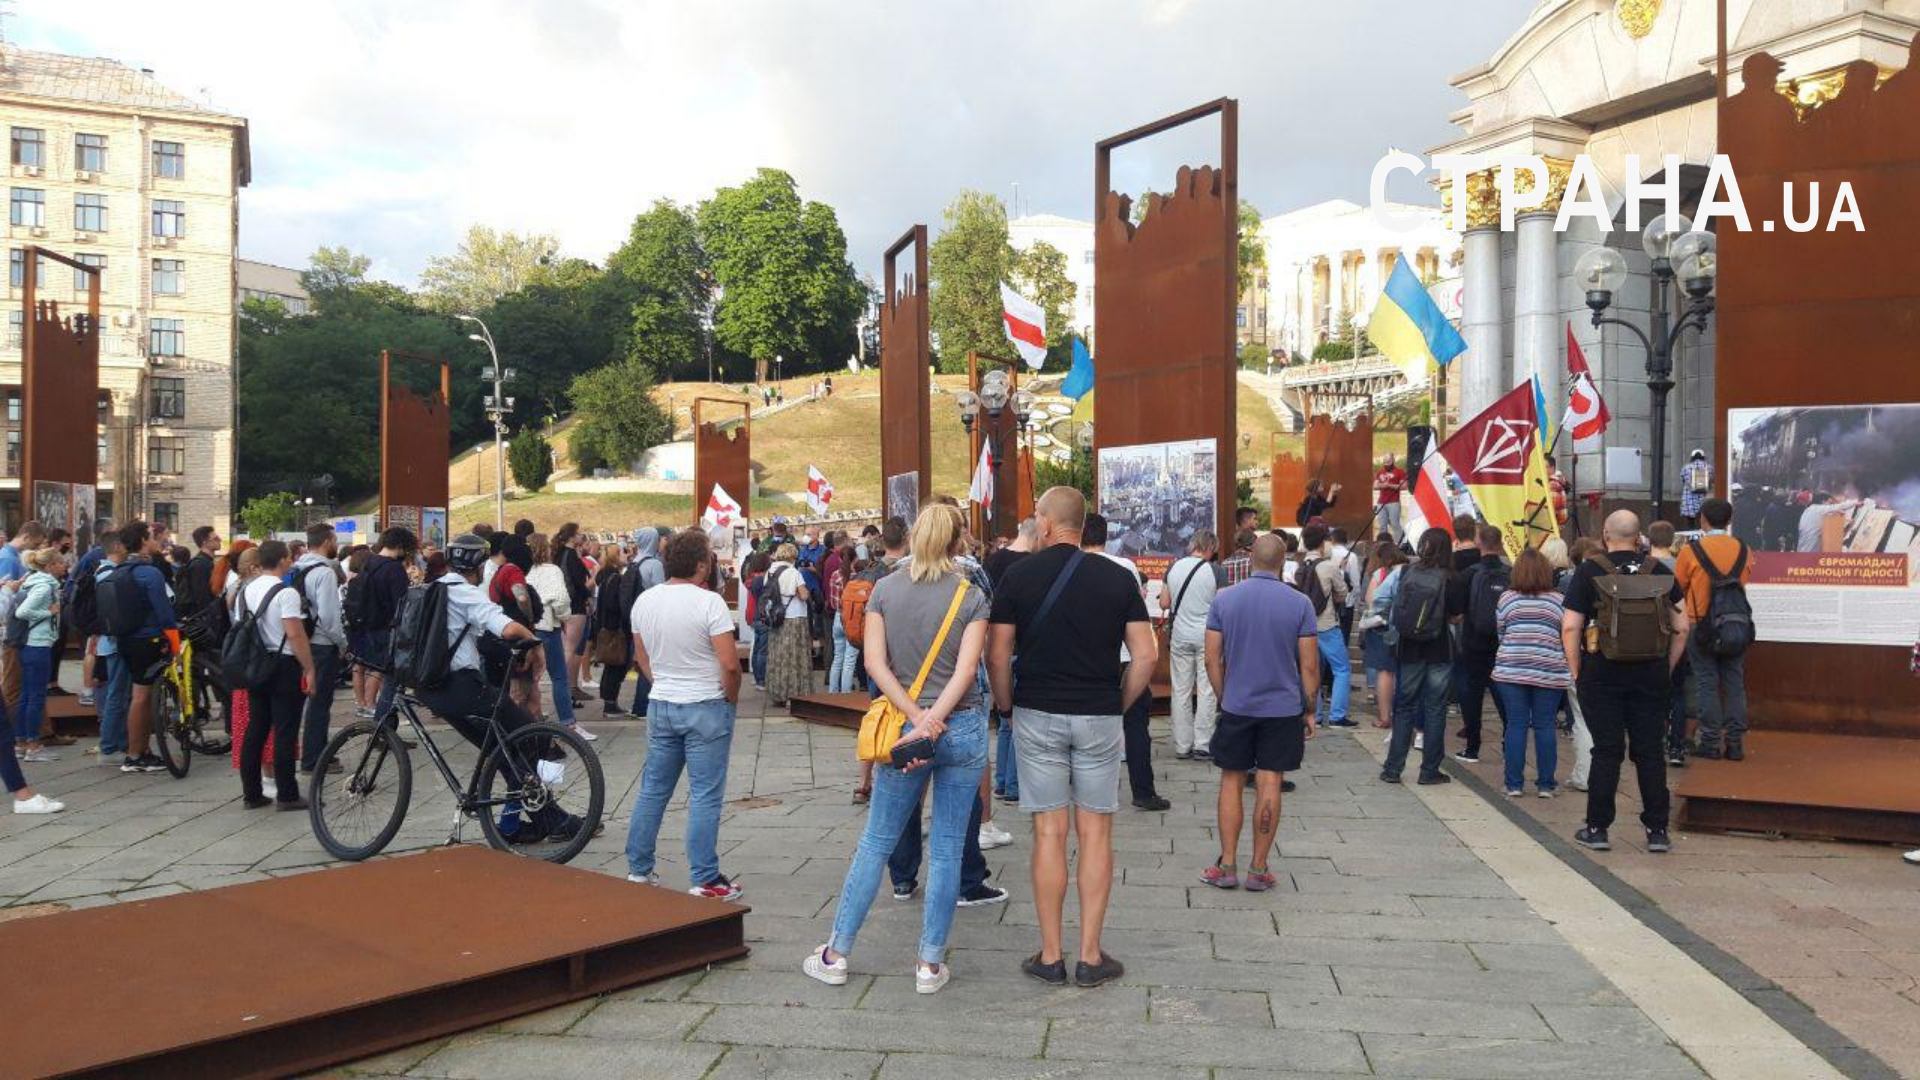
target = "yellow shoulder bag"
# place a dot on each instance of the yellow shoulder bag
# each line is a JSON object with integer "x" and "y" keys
{"x": 880, "y": 727}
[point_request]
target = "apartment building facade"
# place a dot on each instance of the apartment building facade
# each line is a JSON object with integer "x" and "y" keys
{"x": 109, "y": 167}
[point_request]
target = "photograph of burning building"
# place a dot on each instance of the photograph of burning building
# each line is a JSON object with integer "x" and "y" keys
{"x": 1826, "y": 479}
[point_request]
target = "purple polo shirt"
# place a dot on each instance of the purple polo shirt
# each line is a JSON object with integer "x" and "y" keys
{"x": 1261, "y": 621}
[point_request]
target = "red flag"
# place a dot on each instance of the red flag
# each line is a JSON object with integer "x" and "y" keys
{"x": 1587, "y": 416}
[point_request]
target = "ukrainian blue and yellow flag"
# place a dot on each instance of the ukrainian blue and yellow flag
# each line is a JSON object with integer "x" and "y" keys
{"x": 1409, "y": 327}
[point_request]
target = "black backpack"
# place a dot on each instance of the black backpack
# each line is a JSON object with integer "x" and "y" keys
{"x": 245, "y": 661}
{"x": 1311, "y": 586}
{"x": 770, "y": 610}
{"x": 1420, "y": 605}
{"x": 1484, "y": 586}
{"x": 422, "y": 655}
{"x": 84, "y": 608}
{"x": 121, "y": 602}
{"x": 1728, "y": 628}
{"x": 356, "y": 611}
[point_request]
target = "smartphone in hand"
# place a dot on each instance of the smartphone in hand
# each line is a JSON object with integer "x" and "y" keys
{"x": 907, "y": 753}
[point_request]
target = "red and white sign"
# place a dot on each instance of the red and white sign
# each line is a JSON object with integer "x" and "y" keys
{"x": 819, "y": 490}
{"x": 1026, "y": 326}
{"x": 721, "y": 509}
{"x": 1587, "y": 416}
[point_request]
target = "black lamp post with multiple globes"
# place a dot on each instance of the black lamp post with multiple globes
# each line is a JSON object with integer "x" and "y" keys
{"x": 997, "y": 394}
{"x": 1679, "y": 253}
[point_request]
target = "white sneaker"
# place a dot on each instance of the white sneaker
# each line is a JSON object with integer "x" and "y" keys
{"x": 930, "y": 982}
{"x": 1419, "y": 740}
{"x": 581, "y": 730}
{"x": 1911, "y": 856}
{"x": 268, "y": 789}
{"x": 40, "y": 755}
{"x": 644, "y": 879}
{"x": 39, "y": 804}
{"x": 834, "y": 974}
{"x": 86, "y": 697}
{"x": 993, "y": 836}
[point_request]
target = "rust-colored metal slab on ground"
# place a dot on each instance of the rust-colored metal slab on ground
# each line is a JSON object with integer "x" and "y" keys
{"x": 839, "y": 710}
{"x": 71, "y": 718}
{"x": 1800, "y": 784}
{"x": 287, "y": 976}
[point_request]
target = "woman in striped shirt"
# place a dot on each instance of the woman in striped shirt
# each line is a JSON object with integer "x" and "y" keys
{"x": 1530, "y": 670}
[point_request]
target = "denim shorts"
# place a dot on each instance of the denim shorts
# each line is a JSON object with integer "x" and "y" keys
{"x": 1065, "y": 759}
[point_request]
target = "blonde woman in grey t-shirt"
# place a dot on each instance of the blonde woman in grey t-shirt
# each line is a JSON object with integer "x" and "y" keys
{"x": 904, "y": 616}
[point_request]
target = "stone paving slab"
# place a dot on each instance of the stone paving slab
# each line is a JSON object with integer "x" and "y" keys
{"x": 1388, "y": 948}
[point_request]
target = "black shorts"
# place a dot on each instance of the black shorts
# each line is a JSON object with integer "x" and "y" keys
{"x": 145, "y": 658}
{"x": 1272, "y": 743}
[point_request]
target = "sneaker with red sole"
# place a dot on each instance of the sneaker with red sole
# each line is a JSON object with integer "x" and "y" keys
{"x": 1257, "y": 881}
{"x": 1220, "y": 877}
{"x": 717, "y": 889}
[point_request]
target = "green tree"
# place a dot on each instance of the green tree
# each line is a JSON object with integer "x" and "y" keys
{"x": 334, "y": 269}
{"x": 264, "y": 515}
{"x": 1040, "y": 273}
{"x": 530, "y": 457}
{"x": 660, "y": 281}
{"x": 486, "y": 266}
{"x": 615, "y": 416}
{"x": 968, "y": 262}
{"x": 780, "y": 264}
{"x": 1076, "y": 472}
{"x": 1253, "y": 253}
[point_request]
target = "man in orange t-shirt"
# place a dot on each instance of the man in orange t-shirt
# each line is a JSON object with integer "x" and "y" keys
{"x": 1720, "y": 682}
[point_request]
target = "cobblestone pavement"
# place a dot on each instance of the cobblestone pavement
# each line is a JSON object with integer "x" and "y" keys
{"x": 1390, "y": 947}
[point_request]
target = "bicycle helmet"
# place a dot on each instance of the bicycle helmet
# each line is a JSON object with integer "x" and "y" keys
{"x": 466, "y": 553}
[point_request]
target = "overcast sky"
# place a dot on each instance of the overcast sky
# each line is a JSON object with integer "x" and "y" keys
{"x": 390, "y": 127}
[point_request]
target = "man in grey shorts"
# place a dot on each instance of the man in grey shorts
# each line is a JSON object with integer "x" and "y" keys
{"x": 1065, "y": 615}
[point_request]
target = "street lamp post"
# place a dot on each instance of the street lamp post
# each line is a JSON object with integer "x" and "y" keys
{"x": 997, "y": 393}
{"x": 496, "y": 408}
{"x": 1678, "y": 252}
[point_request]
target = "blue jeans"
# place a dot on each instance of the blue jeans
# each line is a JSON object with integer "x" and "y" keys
{"x": 36, "y": 670}
{"x": 1419, "y": 700}
{"x": 695, "y": 736}
{"x": 1333, "y": 653}
{"x": 1530, "y": 708}
{"x": 846, "y": 657}
{"x": 761, "y": 635}
{"x": 554, "y": 644}
{"x": 1006, "y": 777}
{"x": 959, "y": 758}
{"x": 317, "y": 714}
{"x": 113, "y": 699}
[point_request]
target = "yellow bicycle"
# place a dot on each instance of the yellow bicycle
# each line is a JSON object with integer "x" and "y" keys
{"x": 188, "y": 711}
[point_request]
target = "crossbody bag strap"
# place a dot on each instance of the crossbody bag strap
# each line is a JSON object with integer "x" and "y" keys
{"x": 260, "y": 617}
{"x": 939, "y": 640}
{"x": 1053, "y": 594}
{"x": 1182, "y": 594}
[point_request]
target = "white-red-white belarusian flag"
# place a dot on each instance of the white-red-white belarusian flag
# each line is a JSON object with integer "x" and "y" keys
{"x": 1587, "y": 415}
{"x": 980, "y": 491}
{"x": 721, "y": 509}
{"x": 1026, "y": 326}
{"x": 1427, "y": 497}
{"x": 819, "y": 490}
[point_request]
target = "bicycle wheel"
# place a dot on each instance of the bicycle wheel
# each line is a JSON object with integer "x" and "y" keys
{"x": 356, "y": 811}
{"x": 169, "y": 729}
{"x": 207, "y": 733}
{"x": 546, "y": 780}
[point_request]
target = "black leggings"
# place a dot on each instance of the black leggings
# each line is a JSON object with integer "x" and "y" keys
{"x": 274, "y": 709}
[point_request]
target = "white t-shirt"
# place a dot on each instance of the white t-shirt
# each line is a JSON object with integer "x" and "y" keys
{"x": 273, "y": 625}
{"x": 1190, "y": 618}
{"x": 1125, "y": 656}
{"x": 790, "y": 580}
{"x": 677, "y": 622}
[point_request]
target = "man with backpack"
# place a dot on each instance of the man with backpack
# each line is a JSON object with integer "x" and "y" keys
{"x": 1325, "y": 586}
{"x": 317, "y": 578}
{"x": 196, "y": 588}
{"x": 1184, "y": 602}
{"x": 115, "y": 686}
{"x": 1712, "y": 571}
{"x": 1624, "y": 632}
{"x": 1480, "y": 638}
{"x": 644, "y": 572}
{"x": 135, "y": 608}
{"x": 266, "y": 654}
{"x": 373, "y": 599}
{"x": 1429, "y": 597}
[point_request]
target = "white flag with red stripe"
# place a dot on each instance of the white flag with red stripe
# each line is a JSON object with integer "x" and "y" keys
{"x": 1026, "y": 326}
{"x": 980, "y": 491}
{"x": 819, "y": 490}
{"x": 1587, "y": 415}
{"x": 1428, "y": 506}
{"x": 721, "y": 509}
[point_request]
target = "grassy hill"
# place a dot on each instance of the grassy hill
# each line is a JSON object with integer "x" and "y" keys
{"x": 840, "y": 435}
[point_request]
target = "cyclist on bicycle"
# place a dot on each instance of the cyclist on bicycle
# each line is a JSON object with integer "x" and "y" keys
{"x": 466, "y": 698}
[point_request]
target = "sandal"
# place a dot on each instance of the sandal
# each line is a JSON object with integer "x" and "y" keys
{"x": 862, "y": 796}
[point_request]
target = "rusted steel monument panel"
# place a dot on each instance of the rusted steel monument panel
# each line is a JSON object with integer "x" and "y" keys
{"x": 722, "y": 453}
{"x": 1164, "y": 313}
{"x": 906, "y": 431}
{"x": 60, "y": 391}
{"x": 1793, "y": 305}
{"x": 414, "y": 440}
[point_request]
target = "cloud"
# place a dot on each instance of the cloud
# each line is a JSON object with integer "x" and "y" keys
{"x": 390, "y": 128}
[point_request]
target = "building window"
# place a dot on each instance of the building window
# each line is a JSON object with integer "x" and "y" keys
{"x": 167, "y": 514}
{"x": 98, "y": 262}
{"x": 169, "y": 217}
{"x": 30, "y": 147}
{"x": 1087, "y": 257}
{"x": 17, "y": 268}
{"x": 1240, "y": 317}
{"x": 170, "y": 160}
{"x": 13, "y": 406}
{"x": 28, "y": 207}
{"x": 169, "y": 277}
{"x": 105, "y": 406}
{"x": 167, "y": 455}
{"x": 168, "y": 400}
{"x": 100, "y": 452}
{"x": 13, "y": 452}
{"x": 16, "y": 325}
{"x": 90, "y": 153}
{"x": 166, "y": 337}
{"x": 90, "y": 213}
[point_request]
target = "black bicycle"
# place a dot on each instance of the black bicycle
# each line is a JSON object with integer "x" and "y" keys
{"x": 538, "y": 790}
